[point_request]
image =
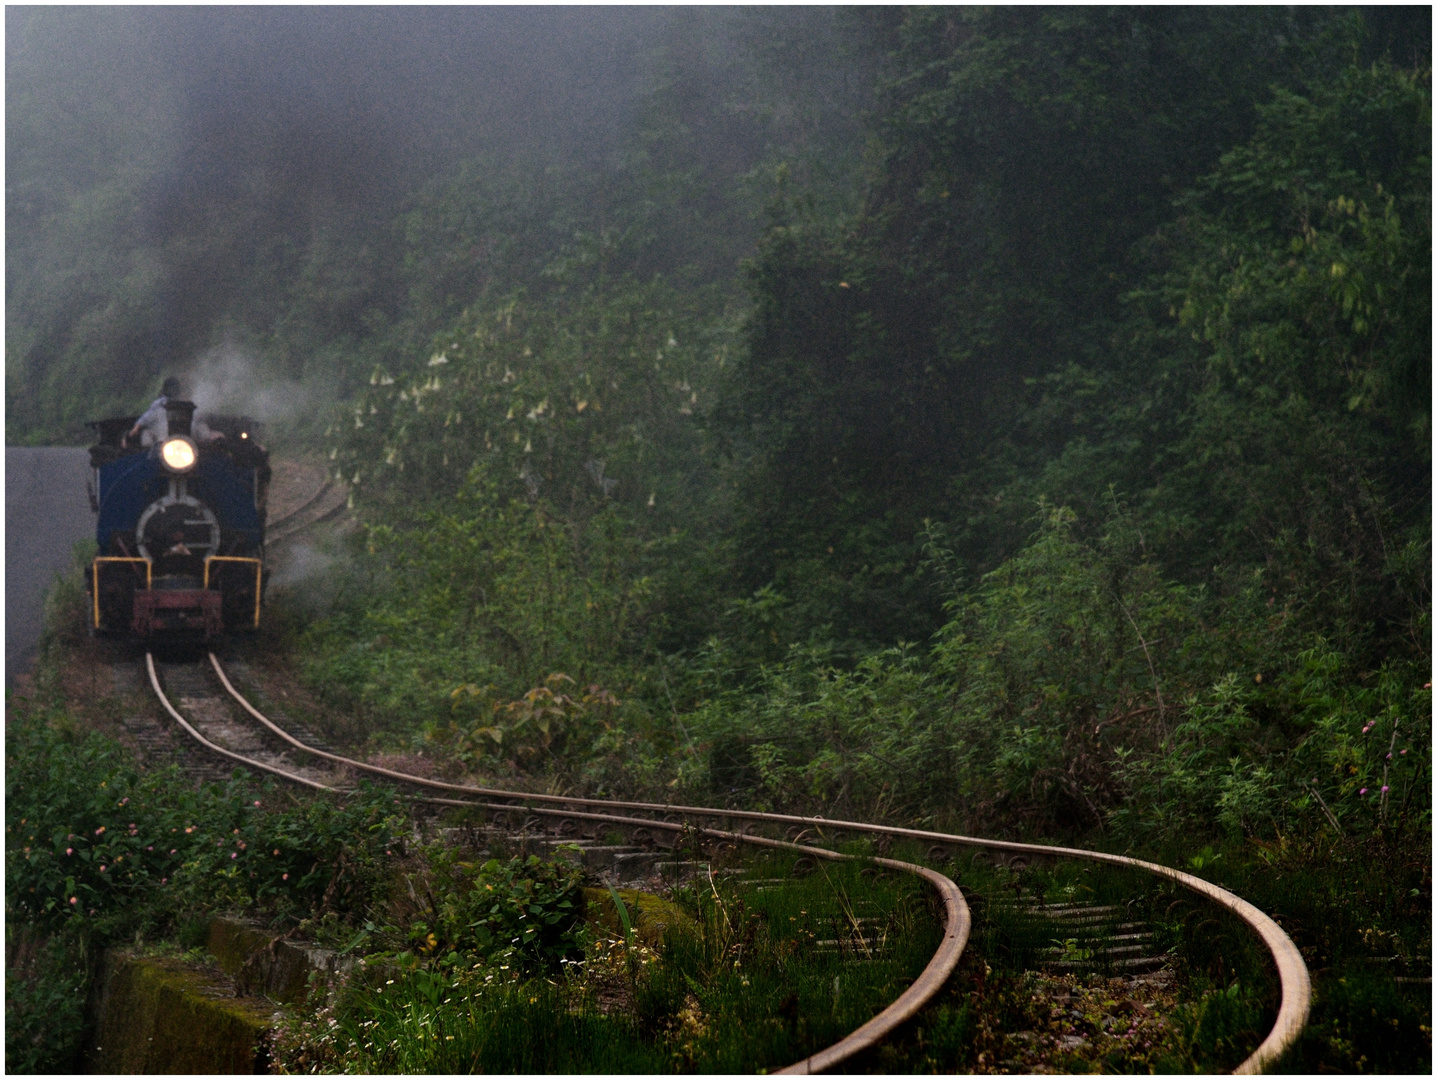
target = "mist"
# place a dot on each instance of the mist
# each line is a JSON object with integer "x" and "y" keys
{"x": 187, "y": 179}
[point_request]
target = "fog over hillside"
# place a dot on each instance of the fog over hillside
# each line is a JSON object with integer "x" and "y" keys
{"x": 183, "y": 178}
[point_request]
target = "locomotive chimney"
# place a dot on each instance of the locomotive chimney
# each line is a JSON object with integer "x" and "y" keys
{"x": 180, "y": 414}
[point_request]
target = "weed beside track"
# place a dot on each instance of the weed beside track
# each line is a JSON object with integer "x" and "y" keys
{"x": 768, "y": 968}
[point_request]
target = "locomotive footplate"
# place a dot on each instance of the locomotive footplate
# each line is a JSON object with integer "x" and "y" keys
{"x": 166, "y": 610}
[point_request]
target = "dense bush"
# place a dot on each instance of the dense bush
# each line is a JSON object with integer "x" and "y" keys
{"x": 525, "y": 908}
{"x": 45, "y": 984}
{"x": 1228, "y": 579}
{"x": 1076, "y": 685}
{"x": 95, "y": 846}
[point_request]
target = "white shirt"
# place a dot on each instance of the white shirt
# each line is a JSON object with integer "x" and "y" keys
{"x": 154, "y": 424}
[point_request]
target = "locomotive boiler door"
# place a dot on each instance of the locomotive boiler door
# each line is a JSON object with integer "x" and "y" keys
{"x": 177, "y": 525}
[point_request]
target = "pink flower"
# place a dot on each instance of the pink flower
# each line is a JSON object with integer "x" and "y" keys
{"x": 150, "y": 848}
{"x": 234, "y": 854}
{"x": 102, "y": 869}
{"x": 1362, "y": 792}
{"x": 1401, "y": 752}
{"x": 71, "y": 851}
{"x": 99, "y": 830}
{"x": 284, "y": 877}
{"x": 163, "y": 880}
{"x": 74, "y": 899}
{"x": 1385, "y": 789}
{"x": 172, "y": 851}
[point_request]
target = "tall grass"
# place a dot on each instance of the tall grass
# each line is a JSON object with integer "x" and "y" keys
{"x": 767, "y": 972}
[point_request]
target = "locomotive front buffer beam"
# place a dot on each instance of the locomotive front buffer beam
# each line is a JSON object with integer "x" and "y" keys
{"x": 123, "y": 598}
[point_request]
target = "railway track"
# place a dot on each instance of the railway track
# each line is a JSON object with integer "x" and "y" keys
{"x": 276, "y": 746}
{"x": 326, "y": 502}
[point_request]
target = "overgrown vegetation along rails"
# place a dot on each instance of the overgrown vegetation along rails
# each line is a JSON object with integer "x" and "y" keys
{"x": 1060, "y": 470}
{"x": 764, "y": 969}
{"x": 98, "y": 852}
{"x": 1179, "y": 611}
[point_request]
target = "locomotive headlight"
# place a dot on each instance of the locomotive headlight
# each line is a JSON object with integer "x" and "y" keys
{"x": 178, "y": 454}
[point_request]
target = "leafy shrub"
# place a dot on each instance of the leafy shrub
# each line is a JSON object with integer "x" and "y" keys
{"x": 1076, "y": 686}
{"x": 95, "y": 846}
{"x": 44, "y": 1002}
{"x": 528, "y": 908}
{"x": 484, "y": 591}
{"x": 544, "y": 721}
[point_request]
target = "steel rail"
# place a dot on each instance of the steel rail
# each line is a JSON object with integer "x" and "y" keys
{"x": 957, "y": 920}
{"x": 155, "y": 683}
{"x": 957, "y": 925}
{"x": 280, "y": 522}
{"x": 1292, "y": 971}
{"x": 294, "y": 530}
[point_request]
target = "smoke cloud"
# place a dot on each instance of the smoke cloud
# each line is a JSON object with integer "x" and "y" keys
{"x": 228, "y": 379}
{"x": 296, "y": 563}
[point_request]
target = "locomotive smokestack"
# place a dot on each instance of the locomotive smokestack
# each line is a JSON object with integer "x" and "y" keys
{"x": 180, "y": 413}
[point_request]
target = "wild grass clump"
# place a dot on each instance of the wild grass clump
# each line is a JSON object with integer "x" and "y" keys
{"x": 769, "y": 968}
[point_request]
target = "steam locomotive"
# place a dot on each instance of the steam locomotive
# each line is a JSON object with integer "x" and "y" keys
{"x": 180, "y": 528}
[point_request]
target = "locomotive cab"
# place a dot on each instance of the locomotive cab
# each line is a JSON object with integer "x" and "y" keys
{"x": 180, "y": 527}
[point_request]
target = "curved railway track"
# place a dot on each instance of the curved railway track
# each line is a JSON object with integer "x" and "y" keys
{"x": 290, "y": 519}
{"x": 1292, "y": 971}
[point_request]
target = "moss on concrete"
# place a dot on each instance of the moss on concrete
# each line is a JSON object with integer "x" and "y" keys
{"x": 232, "y": 942}
{"x": 158, "y": 1015}
{"x": 264, "y": 963}
{"x": 651, "y": 915}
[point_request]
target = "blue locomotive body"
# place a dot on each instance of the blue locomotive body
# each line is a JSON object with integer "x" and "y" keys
{"x": 129, "y": 485}
{"x": 179, "y": 528}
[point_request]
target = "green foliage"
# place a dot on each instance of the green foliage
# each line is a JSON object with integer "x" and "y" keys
{"x": 741, "y": 987}
{"x": 95, "y": 847}
{"x": 1209, "y": 1029}
{"x": 44, "y": 1002}
{"x": 1076, "y": 684}
{"x": 485, "y": 592}
{"x": 1218, "y": 630}
{"x": 1271, "y": 383}
{"x": 471, "y": 1024}
{"x": 525, "y": 909}
{"x": 585, "y": 400}
{"x": 544, "y": 721}
{"x": 1025, "y": 153}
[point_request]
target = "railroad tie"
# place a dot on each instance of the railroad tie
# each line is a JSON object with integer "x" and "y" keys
{"x": 1089, "y": 936}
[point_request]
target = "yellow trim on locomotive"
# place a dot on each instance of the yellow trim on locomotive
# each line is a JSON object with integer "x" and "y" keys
{"x": 95, "y": 576}
{"x": 258, "y": 571}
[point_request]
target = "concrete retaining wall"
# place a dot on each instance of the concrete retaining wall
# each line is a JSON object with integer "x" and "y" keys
{"x": 160, "y": 1015}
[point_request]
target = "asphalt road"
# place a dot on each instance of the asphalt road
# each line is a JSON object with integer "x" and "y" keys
{"x": 46, "y": 514}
